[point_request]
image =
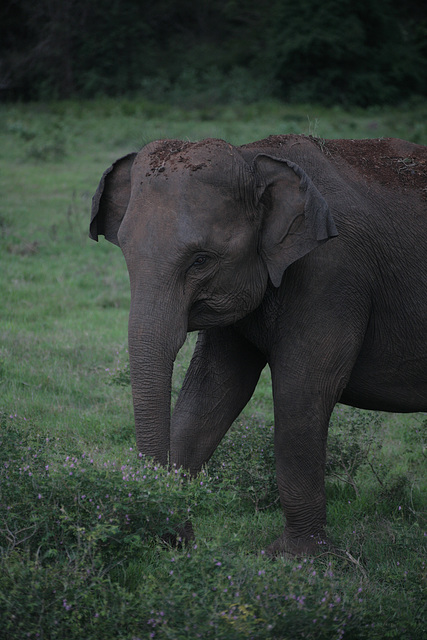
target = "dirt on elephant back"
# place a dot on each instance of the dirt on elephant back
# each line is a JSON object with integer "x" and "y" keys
{"x": 393, "y": 163}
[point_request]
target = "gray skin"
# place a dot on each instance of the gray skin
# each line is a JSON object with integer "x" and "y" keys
{"x": 241, "y": 243}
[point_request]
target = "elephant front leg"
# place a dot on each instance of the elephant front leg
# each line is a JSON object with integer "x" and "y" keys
{"x": 302, "y": 414}
{"x": 300, "y": 479}
{"x": 220, "y": 380}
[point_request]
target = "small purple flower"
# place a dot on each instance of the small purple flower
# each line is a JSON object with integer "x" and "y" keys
{"x": 66, "y": 606}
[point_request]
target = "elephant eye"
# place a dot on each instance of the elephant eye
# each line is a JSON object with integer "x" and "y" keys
{"x": 199, "y": 261}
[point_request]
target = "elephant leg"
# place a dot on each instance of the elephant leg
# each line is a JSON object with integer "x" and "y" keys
{"x": 220, "y": 380}
{"x": 306, "y": 387}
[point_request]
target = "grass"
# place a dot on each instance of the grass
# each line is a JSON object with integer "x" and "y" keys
{"x": 84, "y": 521}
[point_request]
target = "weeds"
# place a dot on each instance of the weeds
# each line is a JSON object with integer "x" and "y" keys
{"x": 354, "y": 441}
{"x": 245, "y": 460}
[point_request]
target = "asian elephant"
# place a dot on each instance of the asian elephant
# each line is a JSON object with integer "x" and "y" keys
{"x": 304, "y": 254}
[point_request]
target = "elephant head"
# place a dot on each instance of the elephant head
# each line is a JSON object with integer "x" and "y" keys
{"x": 202, "y": 230}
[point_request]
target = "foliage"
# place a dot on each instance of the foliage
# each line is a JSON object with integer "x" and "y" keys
{"x": 245, "y": 460}
{"x": 354, "y": 441}
{"x": 338, "y": 51}
{"x": 63, "y": 327}
{"x": 81, "y": 554}
{"x": 334, "y": 51}
{"x": 65, "y": 504}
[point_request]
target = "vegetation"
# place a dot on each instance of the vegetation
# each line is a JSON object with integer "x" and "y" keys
{"x": 85, "y": 522}
{"x": 329, "y": 51}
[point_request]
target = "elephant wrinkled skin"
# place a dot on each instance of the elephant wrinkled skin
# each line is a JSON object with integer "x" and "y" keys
{"x": 306, "y": 255}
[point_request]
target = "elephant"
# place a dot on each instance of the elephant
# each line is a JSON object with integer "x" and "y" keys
{"x": 305, "y": 254}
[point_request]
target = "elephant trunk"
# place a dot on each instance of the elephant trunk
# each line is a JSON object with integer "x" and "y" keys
{"x": 153, "y": 347}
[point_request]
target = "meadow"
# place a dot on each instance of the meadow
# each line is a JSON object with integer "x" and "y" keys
{"x": 85, "y": 521}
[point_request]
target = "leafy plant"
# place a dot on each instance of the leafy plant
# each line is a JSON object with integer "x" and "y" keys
{"x": 354, "y": 441}
{"x": 245, "y": 462}
{"x": 57, "y": 505}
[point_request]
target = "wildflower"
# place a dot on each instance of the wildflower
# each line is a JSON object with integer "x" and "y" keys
{"x": 66, "y": 606}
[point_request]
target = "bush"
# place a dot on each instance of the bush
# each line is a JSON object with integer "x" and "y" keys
{"x": 354, "y": 442}
{"x": 78, "y": 506}
{"x": 244, "y": 461}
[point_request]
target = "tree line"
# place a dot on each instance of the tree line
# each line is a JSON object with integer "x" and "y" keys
{"x": 327, "y": 51}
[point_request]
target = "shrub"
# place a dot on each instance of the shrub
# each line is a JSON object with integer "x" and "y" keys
{"x": 77, "y": 505}
{"x": 245, "y": 462}
{"x": 354, "y": 441}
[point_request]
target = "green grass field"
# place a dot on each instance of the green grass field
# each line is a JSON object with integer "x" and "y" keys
{"x": 82, "y": 515}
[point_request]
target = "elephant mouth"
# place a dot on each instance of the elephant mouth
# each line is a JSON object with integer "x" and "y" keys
{"x": 203, "y": 316}
{"x": 199, "y": 313}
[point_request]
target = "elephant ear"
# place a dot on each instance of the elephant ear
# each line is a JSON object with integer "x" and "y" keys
{"x": 296, "y": 218}
{"x": 111, "y": 199}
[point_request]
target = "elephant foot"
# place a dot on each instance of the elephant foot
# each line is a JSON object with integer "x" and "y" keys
{"x": 181, "y": 536}
{"x": 287, "y": 545}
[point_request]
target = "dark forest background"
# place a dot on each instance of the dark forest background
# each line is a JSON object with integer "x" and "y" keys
{"x": 327, "y": 51}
